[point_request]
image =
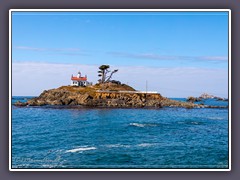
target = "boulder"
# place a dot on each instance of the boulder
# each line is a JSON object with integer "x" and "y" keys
{"x": 206, "y": 96}
{"x": 193, "y": 99}
{"x": 19, "y": 103}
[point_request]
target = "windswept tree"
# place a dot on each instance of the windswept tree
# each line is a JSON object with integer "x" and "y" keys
{"x": 103, "y": 73}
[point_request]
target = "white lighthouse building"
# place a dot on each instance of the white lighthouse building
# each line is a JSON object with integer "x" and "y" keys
{"x": 79, "y": 80}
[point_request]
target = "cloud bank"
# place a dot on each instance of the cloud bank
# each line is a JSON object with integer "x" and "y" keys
{"x": 62, "y": 51}
{"x": 161, "y": 57}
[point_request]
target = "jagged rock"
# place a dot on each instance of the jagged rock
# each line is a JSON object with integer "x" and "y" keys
{"x": 82, "y": 99}
{"x": 56, "y": 102}
{"x": 153, "y": 103}
{"x": 221, "y": 99}
{"x": 19, "y": 103}
{"x": 206, "y": 96}
{"x": 193, "y": 99}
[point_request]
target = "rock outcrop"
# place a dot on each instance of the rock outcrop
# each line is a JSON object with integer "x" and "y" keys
{"x": 208, "y": 96}
{"x": 193, "y": 99}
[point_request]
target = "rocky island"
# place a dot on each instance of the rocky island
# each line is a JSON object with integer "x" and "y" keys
{"x": 105, "y": 95}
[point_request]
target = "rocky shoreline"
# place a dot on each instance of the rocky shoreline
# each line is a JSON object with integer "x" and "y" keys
{"x": 105, "y": 95}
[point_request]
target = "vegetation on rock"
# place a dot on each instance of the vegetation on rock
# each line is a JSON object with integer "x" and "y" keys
{"x": 103, "y": 72}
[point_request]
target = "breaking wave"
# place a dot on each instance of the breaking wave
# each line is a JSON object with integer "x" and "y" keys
{"x": 215, "y": 118}
{"x": 81, "y": 149}
{"x": 118, "y": 145}
{"x": 146, "y": 144}
{"x": 191, "y": 122}
{"x": 131, "y": 146}
{"x": 142, "y": 125}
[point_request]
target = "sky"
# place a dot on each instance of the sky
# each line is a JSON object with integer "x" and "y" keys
{"x": 178, "y": 54}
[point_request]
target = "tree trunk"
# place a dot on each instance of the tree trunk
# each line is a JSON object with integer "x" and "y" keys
{"x": 110, "y": 76}
{"x": 103, "y": 76}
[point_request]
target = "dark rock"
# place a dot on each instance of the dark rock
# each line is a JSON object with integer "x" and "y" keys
{"x": 19, "y": 103}
{"x": 115, "y": 82}
{"x": 221, "y": 99}
{"x": 193, "y": 99}
{"x": 216, "y": 106}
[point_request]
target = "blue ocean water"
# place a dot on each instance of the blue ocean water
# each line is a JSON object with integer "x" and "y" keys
{"x": 56, "y": 137}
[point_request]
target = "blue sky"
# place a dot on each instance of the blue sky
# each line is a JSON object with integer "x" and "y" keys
{"x": 158, "y": 42}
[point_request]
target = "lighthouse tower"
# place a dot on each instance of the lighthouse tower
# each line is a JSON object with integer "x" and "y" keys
{"x": 79, "y": 74}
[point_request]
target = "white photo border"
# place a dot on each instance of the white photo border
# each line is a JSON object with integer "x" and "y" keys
{"x": 119, "y": 10}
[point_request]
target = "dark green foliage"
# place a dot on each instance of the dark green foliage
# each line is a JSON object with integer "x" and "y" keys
{"x": 104, "y": 70}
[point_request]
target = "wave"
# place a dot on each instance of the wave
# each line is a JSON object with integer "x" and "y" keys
{"x": 194, "y": 122}
{"x": 146, "y": 144}
{"x": 48, "y": 166}
{"x": 81, "y": 149}
{"x": 128, "y": 146}
{"x": 215, "y": 118}
{"x": 190, "y": 122}
{"x": 117, "y": 145}
{"x": 142, "y": 125}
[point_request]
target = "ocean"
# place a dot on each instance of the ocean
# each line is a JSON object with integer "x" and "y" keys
{"x": 80, "y": 138}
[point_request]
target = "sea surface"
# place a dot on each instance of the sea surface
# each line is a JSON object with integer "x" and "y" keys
{"x": 166, "y": 138}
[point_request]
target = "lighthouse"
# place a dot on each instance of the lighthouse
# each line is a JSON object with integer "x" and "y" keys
{"x": 79, "y": 80}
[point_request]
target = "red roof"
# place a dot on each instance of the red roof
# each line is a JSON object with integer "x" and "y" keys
{"x": 79, "y": 79}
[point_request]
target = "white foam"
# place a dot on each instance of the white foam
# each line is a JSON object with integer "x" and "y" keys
{"x": 193, "y": 122}
{"x": 146, "y": 144}
{"x": 129, "y": 146}
{"x": 47, "y": 166}
{"x": 142, "y": 125}
{"x": 215, "y": 118}
{"x": 136, "y": 124}
{"x": 117, "y": 145}
{"x": 81, "y": 149}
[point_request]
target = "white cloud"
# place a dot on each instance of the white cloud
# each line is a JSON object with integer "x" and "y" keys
{"x": 167, "y": 57}
{"x": 47, "y": 49}
{"x": 31, "y": 78}
{"x": 61, "y": 51}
